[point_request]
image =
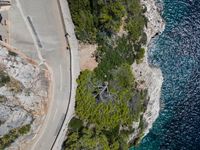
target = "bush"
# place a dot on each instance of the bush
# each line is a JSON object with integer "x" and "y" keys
{"x": 135, "y": 20}
{"x": 110, "y": 16}
{"x": 4, "y": 78}
{"x": 140, "y": 55}
{"x": 93, "y": 16}
{"x": 75, "y": 124}
{"x": 9, "y": 138}
{"x": 111, "y": 58}
{"x": 83, "y": 20}
{"x": 24, "y": 130}
{"x": 12, "y": 53}
{"x": 135, "y": 27}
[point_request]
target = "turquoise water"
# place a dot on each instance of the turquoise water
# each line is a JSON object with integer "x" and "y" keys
{"x": 177, "y": 52}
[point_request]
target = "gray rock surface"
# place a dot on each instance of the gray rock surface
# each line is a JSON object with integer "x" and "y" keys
{"x": 143, "y": 72}
{"x": 24, "y": 97}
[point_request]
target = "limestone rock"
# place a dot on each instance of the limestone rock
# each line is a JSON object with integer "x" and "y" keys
{"x": 24, "y": 94}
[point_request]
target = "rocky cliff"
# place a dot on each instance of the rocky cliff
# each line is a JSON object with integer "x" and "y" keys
{"x": 23, "y": 92}
{"x": 151, "y": 76}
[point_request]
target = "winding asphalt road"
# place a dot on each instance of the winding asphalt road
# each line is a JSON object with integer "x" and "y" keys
{"x": 47, "y": 27}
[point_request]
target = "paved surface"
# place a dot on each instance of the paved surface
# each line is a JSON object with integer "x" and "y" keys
{"x": 75, "y": 68}
{"x": 41, "y": 35}
{"x": 20, "y": 37}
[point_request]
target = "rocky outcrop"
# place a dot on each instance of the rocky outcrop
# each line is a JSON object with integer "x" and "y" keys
{"x": 23, "y": 94}
{"x": 143, "y": 72}
{"x": 155, "y": 24}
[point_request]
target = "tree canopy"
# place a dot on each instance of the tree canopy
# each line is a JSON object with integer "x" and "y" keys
{"x": 107, "y": 99}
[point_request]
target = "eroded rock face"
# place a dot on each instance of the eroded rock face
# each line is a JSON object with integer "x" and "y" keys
{"x": 150, "y": 77}
{"x": 155, "y": 23}
{"x": 23, "y": 94}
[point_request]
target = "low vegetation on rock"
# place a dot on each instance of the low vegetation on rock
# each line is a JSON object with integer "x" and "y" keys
{"x": 9, "y": 138}
{"x": 4, "y": 78}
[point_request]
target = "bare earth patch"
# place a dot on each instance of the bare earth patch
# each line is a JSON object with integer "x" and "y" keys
{"x": 87, "y": 59}
{"x": 122, "y": 30}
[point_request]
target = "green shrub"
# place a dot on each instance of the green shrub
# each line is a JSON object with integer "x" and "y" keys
{"x": 9, "y": 138}
{"x": 140, "y": 55}
{"x": 75, "y": 124}
{"x": 83, "y": 20}
{"x": 4, "y": 78}
{"x": 111, "y": 58}
{"x": 12, "y": 53}
{"x": 135, "y": 27}
{"x": 93, "y": 16}
{"x": 24, "y": 130}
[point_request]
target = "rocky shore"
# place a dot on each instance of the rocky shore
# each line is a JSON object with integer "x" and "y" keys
{"x": 144, "y": 72}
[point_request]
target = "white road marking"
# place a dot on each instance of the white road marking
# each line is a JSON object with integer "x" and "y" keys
{"x": 61, "y": 78}
{"x": 55, "y": 114}
{"x": 42, "y": 62}
{"x": 29, "y": 28}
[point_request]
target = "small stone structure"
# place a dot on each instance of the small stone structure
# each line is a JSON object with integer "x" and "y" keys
{"x": 5, "y": 5}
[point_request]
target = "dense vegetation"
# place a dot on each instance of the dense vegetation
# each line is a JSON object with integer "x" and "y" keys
{"x": 109, "y": 58}
{"x": 9, "y": 138}
{"x": 91, "y": 138}
{"x": 107, "y": 99}
{"x": 105, "y": 110}
{"x": 93, "y": 18}
{"x": 107, "y": 102}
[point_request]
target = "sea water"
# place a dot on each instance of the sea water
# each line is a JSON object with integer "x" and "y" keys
{"x": 177, "y": 52}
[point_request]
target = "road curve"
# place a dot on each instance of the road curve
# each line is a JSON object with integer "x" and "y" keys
{"x": 48, "y": 28}
{"x": 75, "y": 68}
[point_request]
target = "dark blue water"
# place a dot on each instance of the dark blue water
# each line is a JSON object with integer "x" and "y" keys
{"x": 177, "y": 53}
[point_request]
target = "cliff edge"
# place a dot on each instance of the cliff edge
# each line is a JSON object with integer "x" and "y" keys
{"x": 151, "y": 76}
